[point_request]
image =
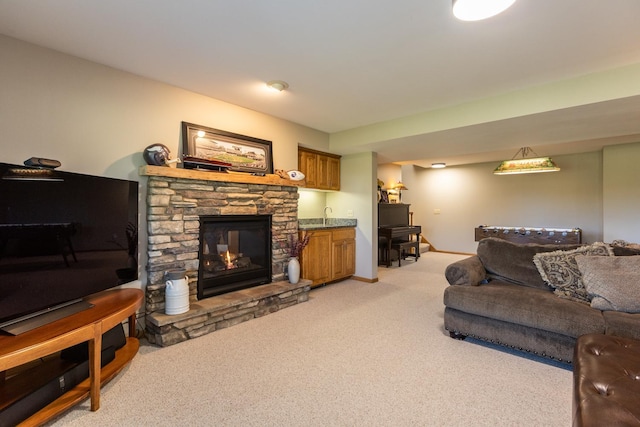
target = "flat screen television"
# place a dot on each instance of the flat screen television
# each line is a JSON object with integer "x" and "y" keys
{"x": 63, "y": 236}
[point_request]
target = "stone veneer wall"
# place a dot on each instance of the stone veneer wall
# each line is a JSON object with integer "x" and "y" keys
{"x": 174, "y": 206}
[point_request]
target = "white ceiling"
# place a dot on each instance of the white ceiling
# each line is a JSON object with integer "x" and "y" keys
{"x": 353, "y": 63}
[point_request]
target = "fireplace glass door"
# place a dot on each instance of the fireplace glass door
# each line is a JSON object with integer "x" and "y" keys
{"x": 235, "y": 253}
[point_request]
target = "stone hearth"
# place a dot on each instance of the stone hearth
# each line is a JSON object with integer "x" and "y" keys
{"x": 176, "y": 198}
{"x": 226, "y": 310}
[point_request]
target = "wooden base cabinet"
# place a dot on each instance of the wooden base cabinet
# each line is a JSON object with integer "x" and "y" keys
{"x": 315, "y": 261}
{"x": 329, "y": 256}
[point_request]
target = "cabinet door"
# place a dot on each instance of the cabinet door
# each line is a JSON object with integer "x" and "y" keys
{"x": 350, "y": 257}
{"x": 343, "y": 254}
{"x": 334, "y": 173}
{"x": 315, "y": 262}
{"x": 308, "y": 165}
{"x": 323, "y": 178}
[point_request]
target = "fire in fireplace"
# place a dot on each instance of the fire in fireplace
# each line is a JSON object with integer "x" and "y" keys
{"x": 234, "y": 254}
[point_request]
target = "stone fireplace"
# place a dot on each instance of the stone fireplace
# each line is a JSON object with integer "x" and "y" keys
{"x": 177, "y": 202}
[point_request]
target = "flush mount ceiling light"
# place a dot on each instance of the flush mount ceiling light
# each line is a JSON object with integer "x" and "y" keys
{"x": 525, "y": 164}
{"x": 476, "y": 10}
{"x": 277, "y": 85}
{"x": 438, "y": 165}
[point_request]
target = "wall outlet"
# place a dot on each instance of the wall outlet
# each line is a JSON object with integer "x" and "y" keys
{"x": 350, "y": 213}
{"x": 436, "y": 211}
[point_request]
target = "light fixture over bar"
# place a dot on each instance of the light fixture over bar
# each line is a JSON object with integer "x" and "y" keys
{"x": 526, "y": 165}
{"x": 476, "y": 10}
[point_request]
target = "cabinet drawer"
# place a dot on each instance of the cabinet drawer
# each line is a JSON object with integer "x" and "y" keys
{"x": 344, "y": 233}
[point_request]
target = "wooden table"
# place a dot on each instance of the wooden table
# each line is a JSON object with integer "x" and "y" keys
{"x": 110, "y": 308}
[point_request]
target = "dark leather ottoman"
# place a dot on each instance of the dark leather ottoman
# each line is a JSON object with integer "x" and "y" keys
{"x": 606, "y": 381}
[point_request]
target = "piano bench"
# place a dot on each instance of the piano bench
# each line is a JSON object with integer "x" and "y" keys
{"x": 403, "y": 247}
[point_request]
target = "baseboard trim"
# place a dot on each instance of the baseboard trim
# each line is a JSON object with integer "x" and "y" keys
{"x": 364, "y": 279}
{"x": 452, "y": 252}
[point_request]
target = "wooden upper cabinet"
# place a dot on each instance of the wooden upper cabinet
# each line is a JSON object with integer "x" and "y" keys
{"x": 322, "y": 170}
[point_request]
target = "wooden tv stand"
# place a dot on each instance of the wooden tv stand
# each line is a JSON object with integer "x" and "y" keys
{"x": 110, "y": 308}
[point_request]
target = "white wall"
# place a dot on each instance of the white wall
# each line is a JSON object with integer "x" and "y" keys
{"x": 621, "y": 182}
{"x": 311, "y": 203}
{"x": 358, "y": 194}
{"x": 390, "y": 174}
{"x": 98, "y": 120}
{"x": 598, "y": 192}
{"x": 469, "y": 196}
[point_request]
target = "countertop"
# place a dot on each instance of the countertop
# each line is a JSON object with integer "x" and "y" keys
{"x": 317, "y": 223}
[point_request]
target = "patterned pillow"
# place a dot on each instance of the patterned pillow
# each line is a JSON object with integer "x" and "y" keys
{"x": 560, "y": 270}
{"x": 613, "y": 283}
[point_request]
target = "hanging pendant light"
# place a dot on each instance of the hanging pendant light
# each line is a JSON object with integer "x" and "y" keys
{"x": 476, "y": 10}
{"x": 526, "y": 164}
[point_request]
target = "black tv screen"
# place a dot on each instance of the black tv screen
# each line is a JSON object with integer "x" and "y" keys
{"x": 63, "y": 236}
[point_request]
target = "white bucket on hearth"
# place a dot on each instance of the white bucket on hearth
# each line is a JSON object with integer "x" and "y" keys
{"x": 176, "y": 298}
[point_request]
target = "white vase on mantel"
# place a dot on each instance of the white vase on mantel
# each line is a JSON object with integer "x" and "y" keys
{"x": 293, "y": 270}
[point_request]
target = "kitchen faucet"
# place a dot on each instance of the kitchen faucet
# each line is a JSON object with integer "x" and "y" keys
{"x": 324, "y": 219}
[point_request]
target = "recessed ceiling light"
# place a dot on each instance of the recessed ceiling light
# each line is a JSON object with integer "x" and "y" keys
{"x": 476, "y": 10}
{"x": 277, "y": 85}
{"x": 438, "y": 165}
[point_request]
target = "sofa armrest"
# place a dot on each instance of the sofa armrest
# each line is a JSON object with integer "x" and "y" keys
{"x": 468, "y": 271}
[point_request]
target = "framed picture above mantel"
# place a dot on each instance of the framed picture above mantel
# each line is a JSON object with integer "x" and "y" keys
{"x": 242, "y": 153}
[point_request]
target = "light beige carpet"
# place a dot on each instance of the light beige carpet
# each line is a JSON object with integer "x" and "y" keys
{"x": 355, "y": 354}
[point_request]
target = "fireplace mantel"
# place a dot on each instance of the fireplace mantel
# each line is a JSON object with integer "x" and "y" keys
{"x": 238, "y": 177}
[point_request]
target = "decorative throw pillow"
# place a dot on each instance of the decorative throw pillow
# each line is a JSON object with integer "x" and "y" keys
{"x": 613, "y": 283}
{"x": 513, "y": 262}
{"x": 560, "y": 270}
{"x": 623, "y": 248}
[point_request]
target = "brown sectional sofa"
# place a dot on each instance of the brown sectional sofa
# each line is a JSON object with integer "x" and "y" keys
{"x": 498, "y": 295}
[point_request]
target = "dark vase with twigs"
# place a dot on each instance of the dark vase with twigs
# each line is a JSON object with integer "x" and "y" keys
{"x": 296, "y": 246}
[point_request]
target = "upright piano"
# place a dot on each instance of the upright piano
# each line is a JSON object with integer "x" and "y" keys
{"x": 394, "y": 229}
